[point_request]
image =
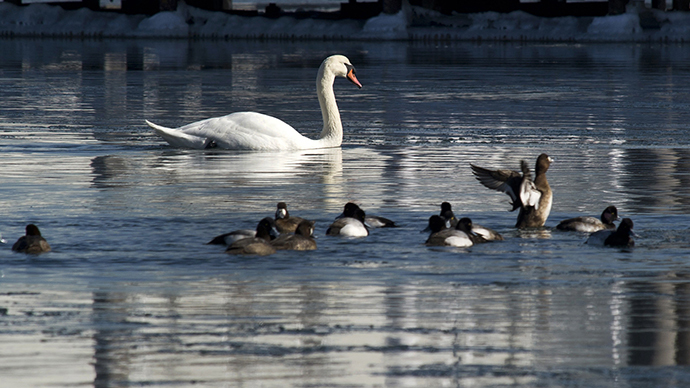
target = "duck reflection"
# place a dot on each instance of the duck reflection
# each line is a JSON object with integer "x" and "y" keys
{"x": 656, "y": 178}
{"x": 659, "y": 325}
{"x": 112, "y": 357}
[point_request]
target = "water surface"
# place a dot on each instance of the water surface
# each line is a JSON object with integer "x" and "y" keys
{"x": 131, "y": 295}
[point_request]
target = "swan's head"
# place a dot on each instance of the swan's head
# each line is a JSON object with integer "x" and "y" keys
{"x": 341, "y": 67}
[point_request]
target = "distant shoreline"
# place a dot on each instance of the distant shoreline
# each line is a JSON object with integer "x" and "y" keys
{"x": 411, "y": 24}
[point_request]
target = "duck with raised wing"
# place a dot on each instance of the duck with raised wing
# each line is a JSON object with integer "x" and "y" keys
{"x": 257, "y": 131}
{"x": 591, "y": 224}
{"x": 533, "y": 198}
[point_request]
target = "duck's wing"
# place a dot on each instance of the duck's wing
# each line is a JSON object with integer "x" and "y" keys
{"x": 506, "y": 181}
{"x": 294, "y": 242}
{"x": 347, "y": 227}
{"x": 598, "y": 238}
{"x": 288, "y": 225}
{"x": 458, "y": 239}
{"x": 581, "y": 224}
{"x": 229, "y": 238}
{"x": 450, "y": 237}
{"x": 379, "y": 222}
{"x": 529, "y": 195}
{"x": 252, "y": 246}
{"x": 486, "y": 233}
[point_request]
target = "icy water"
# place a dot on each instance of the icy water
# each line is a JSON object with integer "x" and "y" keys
{"x": 131, "y": 295}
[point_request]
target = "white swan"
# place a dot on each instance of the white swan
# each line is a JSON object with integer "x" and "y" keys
{"x": 256, "y": 131}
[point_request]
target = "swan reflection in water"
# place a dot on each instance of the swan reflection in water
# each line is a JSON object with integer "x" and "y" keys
{"x": 249, "y": 179}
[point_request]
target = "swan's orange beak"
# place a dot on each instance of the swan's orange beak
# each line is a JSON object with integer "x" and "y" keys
{"x": 352, "y": 78}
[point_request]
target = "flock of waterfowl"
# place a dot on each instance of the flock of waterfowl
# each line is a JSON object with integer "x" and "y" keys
{"x": 531, "y": 197}
{"x": 257, "y": 131}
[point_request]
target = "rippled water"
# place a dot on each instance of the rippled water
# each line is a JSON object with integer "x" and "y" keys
{"x": 131, "y": 296}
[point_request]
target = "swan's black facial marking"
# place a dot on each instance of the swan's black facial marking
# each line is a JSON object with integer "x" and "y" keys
{"x": 351, "y": 75}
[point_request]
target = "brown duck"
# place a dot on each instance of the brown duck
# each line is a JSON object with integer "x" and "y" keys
{"x": 533, "y": 198}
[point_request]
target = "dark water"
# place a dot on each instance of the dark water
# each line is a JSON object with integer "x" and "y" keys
{"x": 131, "y": 296}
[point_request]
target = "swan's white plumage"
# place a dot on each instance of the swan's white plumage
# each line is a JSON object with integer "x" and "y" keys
{"x": 257, "y": 131}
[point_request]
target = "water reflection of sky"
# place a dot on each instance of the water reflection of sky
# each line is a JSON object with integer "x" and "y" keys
{"x": 131, "y": 294}
{"x": 243, "y": 331}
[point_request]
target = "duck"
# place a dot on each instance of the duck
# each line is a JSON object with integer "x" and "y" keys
{"x": 285, "y": 223}
{"x": 465, "y": 224}
{"x": 590, "y": 224}
{"x": 301, "y": 240}
{"x": 621, "y": 237}
{"x": 231, "y": 237}
{"x": 258, "y": 245}
{"x": 533, "y": 198}
{"x": 448, "y": 215}
{"x": 370, "y": 221}
{"x": 260, "y": 132}
{"x": 351, "y": 225}
{"x": 379, "y": 222}
{"x": 486, "y": 233}
{"x": 32, "y": 242}
{"x": 443, "y": 236}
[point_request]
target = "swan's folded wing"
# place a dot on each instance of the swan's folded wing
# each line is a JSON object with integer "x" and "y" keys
{"x": 177, "y": 138}
{"x": 506, "y": 181}
{"x": 248, "y": 130}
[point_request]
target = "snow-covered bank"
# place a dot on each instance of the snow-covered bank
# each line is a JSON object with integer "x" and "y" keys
{"x": 411, "y": 23}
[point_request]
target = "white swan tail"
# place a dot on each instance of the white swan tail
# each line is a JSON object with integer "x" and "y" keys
{"x": 177, "y": 138}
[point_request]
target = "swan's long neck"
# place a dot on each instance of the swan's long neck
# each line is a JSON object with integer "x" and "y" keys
{"x": 332, "y": 133}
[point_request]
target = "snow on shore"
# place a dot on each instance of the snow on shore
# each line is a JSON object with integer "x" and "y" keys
{"x": 411, "y": 23}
